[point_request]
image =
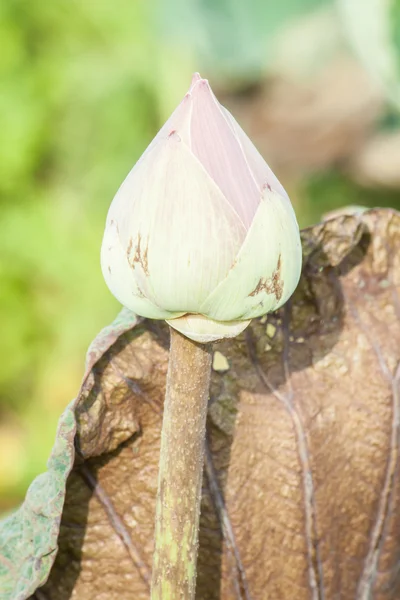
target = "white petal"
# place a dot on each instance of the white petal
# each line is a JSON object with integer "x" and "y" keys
{"x": 262, "y": 173}
{"x": 203, "y": 330}
{"x": 121, "y": 280}
{"x": 215, "y": 144}
{"x": 267, "y": 268}
{"x": 179, "y": 122}
{"x": 179, "y": 232}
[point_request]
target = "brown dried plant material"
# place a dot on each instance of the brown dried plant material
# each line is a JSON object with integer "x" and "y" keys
{"x": 310, "y": 124}
{"x": 377, "y": 163}
{"x": 302, "y": 489}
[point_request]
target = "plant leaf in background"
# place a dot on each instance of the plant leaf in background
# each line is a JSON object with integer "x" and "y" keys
{"x": 231, "y": 38}
{"x": 28, "y": 537}
{"x": 373, "y": 28}
{"x": 301, "y": 497}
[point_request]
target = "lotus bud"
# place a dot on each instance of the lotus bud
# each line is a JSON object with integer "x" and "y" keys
{"x": 201, "y": 232}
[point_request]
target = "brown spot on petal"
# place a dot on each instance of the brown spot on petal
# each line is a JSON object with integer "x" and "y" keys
{"x": 128, "y": 252}
{"x": 272, "y": 285}
{"x": 145, "y": 262}
{"x": 137, "y": 256}
{"x": 140, "y": 256}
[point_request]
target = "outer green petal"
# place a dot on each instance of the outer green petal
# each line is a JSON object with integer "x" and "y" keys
{"x": 121, "y": 280}
{"x": 267, "y": 268}
{"x": 179, "y": 232}
{"x": 204, "y": 330}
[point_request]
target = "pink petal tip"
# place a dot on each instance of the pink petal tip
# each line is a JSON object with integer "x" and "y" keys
{"x": 196, "y": 77}
{"x": 196, "y": 81}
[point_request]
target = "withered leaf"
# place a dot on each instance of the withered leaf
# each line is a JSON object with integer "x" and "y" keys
{"x": 28, "y": 537}
{"x": 301, "y": 489}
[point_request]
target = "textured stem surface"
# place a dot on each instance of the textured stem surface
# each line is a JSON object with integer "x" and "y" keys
{"x": 181, "y": 470}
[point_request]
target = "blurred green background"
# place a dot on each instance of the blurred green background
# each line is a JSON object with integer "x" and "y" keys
{"x": 84, "y": 86}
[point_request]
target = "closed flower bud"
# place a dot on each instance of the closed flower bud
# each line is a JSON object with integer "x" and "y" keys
{"x": 201, "y": 232}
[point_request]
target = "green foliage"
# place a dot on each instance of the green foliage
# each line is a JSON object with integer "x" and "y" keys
{"x": 395, "y": 25}
{"x": 374, "y": 29}
{"x": 331, "y": 191}
{"x": 78, "y": 104}
{"x": 233, "y": 38}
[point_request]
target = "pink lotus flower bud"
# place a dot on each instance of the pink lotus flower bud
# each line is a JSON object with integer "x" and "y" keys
{"x": 201, "y": 232}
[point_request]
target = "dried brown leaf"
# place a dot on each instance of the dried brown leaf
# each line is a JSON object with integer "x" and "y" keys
{"x": 301, "y": 494}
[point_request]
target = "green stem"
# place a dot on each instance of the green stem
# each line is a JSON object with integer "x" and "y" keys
{"x": 181, "y": 470}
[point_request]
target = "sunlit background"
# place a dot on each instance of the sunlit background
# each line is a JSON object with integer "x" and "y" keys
{"x": 84, "y": 88}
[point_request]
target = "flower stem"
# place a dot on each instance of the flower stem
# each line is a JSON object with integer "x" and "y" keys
{"x": 181, "y": 469}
